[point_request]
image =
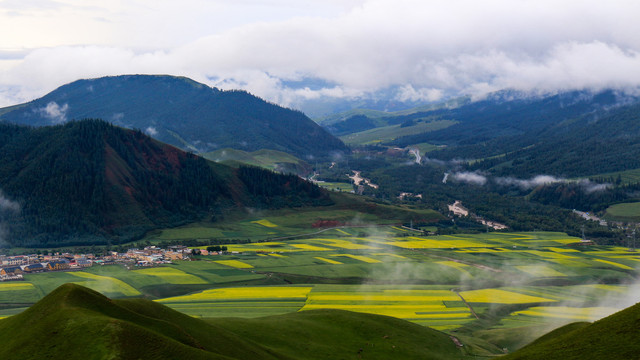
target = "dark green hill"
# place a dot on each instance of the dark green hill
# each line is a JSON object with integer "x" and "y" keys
{"x": 339, "y": 334}
{"x": 73, "y": 322}
{"x": 614, "y": 337}
{"x": 91, "y": 182}
{"x": 181, "y": 112}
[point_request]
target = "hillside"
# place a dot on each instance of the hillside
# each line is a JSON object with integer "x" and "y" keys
{"x": 180, "y": 112}
{"x": 73, "y": 322}
{"x": 614, "y": 337}
{"x": 91, "y": 182}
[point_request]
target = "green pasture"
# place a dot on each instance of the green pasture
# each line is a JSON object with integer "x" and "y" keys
{"x": 425, "y": 147}
{"x": 623, "y": 212}
{"x": 292, "y": 222}
{"x": 388, "y": 133}
{"x": 336, "y": 186}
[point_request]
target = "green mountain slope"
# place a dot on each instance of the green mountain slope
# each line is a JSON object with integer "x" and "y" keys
{"x": 181, "y": 112}
{"x": 91, "y": 182}
{"x": 339, "y": 334}
{"x": 614, "y": 337}
{"x": 73, "y": 322}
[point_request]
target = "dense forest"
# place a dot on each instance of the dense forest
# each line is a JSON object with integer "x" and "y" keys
{"x": 92, "y": 182}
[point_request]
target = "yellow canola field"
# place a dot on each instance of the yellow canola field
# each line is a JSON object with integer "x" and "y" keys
{"x": 234, "y": 263}
{"x": 420, "y": 243}
{"x": 540, "y": 270}
{"x": 390, "y": 254}
{"x": 621, "y": 266}
{"x": 344, "y": 244}
{"x": 309, "y": 247}
{"x": 498, "y": 296}
{"x": 424, "y": 296}
{"x": 172, "y": 276}
{"x": 328, "y": 260}
{"x": 401, "y": 312}
{"x": 343, "y": 232}
{"x": 277, "y": 255}
{"x": 565, "y": 312}
{"x": 104, "y": 284}
{"x": 265, "y": 223}
{"x": 361, "y": 258}
{"x": 230, "y": 294}
{"x": 12, "y": 286}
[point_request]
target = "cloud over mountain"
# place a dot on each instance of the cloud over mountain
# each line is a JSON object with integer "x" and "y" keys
{"x": 427, "y": 50}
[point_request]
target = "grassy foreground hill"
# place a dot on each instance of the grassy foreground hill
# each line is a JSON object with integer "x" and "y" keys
{"x": 614, "y": 337}
{"x": 73, "y": 322}
{"x": 180, "y": 112}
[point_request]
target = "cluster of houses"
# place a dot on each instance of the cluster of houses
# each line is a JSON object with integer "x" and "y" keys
{"x": 14, "y": 267}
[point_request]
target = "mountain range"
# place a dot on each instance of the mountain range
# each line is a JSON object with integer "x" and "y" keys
{"x": 568, "y": 134}
{"x": 181, "y": 112}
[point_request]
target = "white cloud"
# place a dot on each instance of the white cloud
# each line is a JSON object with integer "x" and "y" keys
{"x": 151, "y": 131}
{"x": 7, "y": 204}
{"x": 425, "y": 48}
{"x": 530, "y": 183}
{"x": 54, "y": 112}
{"x": 470, "y": 177}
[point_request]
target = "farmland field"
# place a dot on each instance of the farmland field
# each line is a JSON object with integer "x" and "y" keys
{"x": 463, "y": 284}
{"x": 624, "y": 212}
{"x": 388, "y": 133}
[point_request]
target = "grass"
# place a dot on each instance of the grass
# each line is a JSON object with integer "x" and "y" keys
{"x": 336, "y": 186}
{"x": 389, "y": 133}
{"x": 268, "y": 159}
{"x": 623, "y": 212}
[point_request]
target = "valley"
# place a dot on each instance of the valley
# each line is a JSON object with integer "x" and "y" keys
{"x": 493, "y": 291}
{"x": 450, "y": 220}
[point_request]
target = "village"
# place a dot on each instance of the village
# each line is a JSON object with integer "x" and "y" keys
{"x": 14, "y": 267}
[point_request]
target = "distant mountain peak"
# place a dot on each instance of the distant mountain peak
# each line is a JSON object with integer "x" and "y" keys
{"x": 180, "y": 112}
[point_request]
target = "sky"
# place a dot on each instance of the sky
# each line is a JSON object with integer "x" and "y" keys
{"x": 290, "y": 50}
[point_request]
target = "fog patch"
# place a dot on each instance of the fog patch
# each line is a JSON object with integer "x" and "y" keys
{"x": 8, "y": 209}
{"x": 470, "y": 178}
{"x": 151, "y": 131}
{"x": 54, "y": 112}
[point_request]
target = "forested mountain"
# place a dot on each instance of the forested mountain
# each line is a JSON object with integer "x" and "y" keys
{"x": 92, "y": 182}
{"x": 568, "y": 134}
{"x": 181, "y": 112}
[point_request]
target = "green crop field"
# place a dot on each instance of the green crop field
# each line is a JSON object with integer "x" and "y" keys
{"x": 465, "y": 284}
{"x": 336, "y": 186}
{"x": 623, "y": 212}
